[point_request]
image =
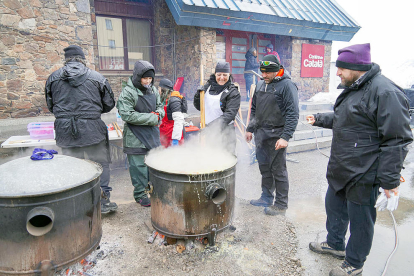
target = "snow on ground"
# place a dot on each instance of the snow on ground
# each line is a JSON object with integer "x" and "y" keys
{"x": 325, "y": 97}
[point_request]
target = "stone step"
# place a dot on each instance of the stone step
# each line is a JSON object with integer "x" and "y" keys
{"x": 303, "y": 125}
{"x": 314, "y": 106}
{"x": 310, "y": 134}
{"x": 303, "y": 114}
{"x": 309, "y": 144}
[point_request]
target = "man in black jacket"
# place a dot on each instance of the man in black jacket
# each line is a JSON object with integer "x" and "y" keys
{"x": 77, "y": 96}
{"x": 274, "y": 117}
{"x": 370, "y": 125}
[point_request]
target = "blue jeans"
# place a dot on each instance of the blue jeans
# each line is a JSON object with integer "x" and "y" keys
{"x": 249, "y": 81}
{"x": 361, "y": 219}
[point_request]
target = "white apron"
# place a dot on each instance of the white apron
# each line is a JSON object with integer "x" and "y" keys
{"x": 212, "y": 106}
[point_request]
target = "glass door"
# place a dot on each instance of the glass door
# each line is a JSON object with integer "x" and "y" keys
{"x": 238, "y": 47}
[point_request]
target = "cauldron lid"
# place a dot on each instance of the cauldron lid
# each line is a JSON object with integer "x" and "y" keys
{"x": 25, "y": 177}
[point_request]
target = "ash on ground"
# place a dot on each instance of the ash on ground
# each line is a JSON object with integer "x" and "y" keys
{"x": 260, "y": 245}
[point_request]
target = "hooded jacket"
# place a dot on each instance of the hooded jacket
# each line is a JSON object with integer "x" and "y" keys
{"x": 251, "y": 61}
{"x": 278, "y": 115}
{"x": 229, "y": 101}
{"x": 127, "y": 102}
{"x": 371, "y": 131}
{"x": 77, "y": 96}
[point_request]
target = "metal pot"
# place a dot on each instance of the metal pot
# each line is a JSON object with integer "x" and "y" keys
{"x": 49, "y": 214}
{"x": 192, "y": 205}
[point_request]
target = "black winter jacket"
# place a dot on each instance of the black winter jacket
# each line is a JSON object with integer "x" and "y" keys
{"x": 77, "y": 96}
{"x": 176, "y": 104}
{"x": 229, "y": 101}
{"x": 275, "y": 109}
{"x": 371, "y": 131}
{"x": 251, "y": 62}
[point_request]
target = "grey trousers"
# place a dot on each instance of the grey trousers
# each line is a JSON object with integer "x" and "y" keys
{"x": 272, "y": 166}
{"x": 98, "y": 153}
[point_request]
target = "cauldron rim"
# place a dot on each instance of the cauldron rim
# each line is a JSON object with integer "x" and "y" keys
{"x": 57, "y": 190}
{"x": 194, "y": 174}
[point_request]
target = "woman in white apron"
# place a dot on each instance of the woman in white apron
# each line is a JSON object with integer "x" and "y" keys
{"x": 222, "y": 102}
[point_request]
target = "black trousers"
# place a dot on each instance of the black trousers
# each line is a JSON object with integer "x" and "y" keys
{"x": 98, "y": 153}
{"x": 361, "y": 219}
{"x": 272, "y": 166}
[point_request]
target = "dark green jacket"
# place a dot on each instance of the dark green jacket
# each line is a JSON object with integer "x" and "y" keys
{"x": 125, "y": 105}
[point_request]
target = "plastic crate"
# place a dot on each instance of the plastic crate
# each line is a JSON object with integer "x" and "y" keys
{"x": 41, "y": 130}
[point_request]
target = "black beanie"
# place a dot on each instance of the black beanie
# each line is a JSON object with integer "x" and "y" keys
{"x": 272, "y": 67}
{"x": 73, "y": 51}
{"x": 223, "y": 67}
{"x": 166, "y": 83}
{"x": 149, "y": 73}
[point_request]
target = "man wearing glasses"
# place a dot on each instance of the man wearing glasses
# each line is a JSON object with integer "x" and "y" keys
{"x": 274, "y": 116}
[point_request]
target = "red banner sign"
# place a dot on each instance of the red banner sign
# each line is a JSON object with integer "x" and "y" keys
{"x": 313, "y": 57}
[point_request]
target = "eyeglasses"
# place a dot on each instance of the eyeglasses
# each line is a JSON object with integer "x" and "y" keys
{"x": 267, "y": 63}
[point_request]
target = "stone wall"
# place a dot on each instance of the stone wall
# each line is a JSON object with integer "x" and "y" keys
{"x": 33, "y": 34}
{"x": 310, "y": 86}
{"x": 284, "y": 49}
{"x": 177, "y": 52}
{"x": 193, "y": 46}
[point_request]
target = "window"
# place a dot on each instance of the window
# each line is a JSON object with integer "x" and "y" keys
{"x": 220, "y": 48}
{"x": 108, "y": 23}
{"x": 129, "y": 41}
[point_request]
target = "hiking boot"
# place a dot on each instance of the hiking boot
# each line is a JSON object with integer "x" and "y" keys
{"x": 274, "y": 211}
{"x": 261, "y": 202}
{"x": 324, "y": 248}
{"x": 145, "y": 202}
{"x": 108, "y": 207}
{"x": 345, "y": 270}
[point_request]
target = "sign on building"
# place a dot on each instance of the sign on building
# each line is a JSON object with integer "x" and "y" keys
{"x": 313, "y": 57}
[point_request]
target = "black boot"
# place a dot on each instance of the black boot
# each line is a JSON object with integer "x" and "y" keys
{"x": 106, "y": 205}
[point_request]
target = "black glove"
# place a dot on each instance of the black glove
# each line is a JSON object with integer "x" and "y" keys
{"x": 200, "y": 88}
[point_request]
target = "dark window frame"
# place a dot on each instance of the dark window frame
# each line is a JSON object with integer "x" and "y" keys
{"x": 124, "y": 9}
{"x": 111, "y": 28}
{"x": 124, "y": 36}
{"x": 110, "y": 44}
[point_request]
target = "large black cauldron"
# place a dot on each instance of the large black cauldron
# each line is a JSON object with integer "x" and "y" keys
{"x": 49, "y": 214}
{"x": 192, "y": 205}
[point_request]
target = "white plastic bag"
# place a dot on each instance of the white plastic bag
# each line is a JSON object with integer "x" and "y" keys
{"x": 383, "y": 202}
{"x": 393, "y": 201}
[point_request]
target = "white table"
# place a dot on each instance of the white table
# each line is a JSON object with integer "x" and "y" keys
{"x": 25, "y": 141}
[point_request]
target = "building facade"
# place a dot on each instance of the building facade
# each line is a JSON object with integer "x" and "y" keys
{"x": 183, "y": 39}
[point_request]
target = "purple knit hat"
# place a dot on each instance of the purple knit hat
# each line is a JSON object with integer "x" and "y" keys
{"x": 356, "y": 57}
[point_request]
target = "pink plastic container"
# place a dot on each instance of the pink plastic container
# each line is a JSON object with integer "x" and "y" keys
{"x": 41, "y": 130}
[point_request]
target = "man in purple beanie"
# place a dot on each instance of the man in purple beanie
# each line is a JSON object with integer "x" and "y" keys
{"x": 371, "y": 132}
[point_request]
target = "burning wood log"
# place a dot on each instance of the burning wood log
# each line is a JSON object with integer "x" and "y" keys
{"x": 180, "y": 246}
{"x": 171, "y": 241}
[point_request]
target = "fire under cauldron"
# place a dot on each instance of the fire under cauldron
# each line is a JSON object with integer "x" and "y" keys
{"x": 192, "y": 205}
{"x": 49, "y": 214}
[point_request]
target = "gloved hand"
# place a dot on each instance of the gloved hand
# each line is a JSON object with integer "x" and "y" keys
{"x": 174, "y": 142}
{"x": 158, "y": 115}
{"x": 387, "y": 203}
{"x": 382, "y": 201}
{"x": 200, "y": 88}
{"x": 393, "y": 201}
